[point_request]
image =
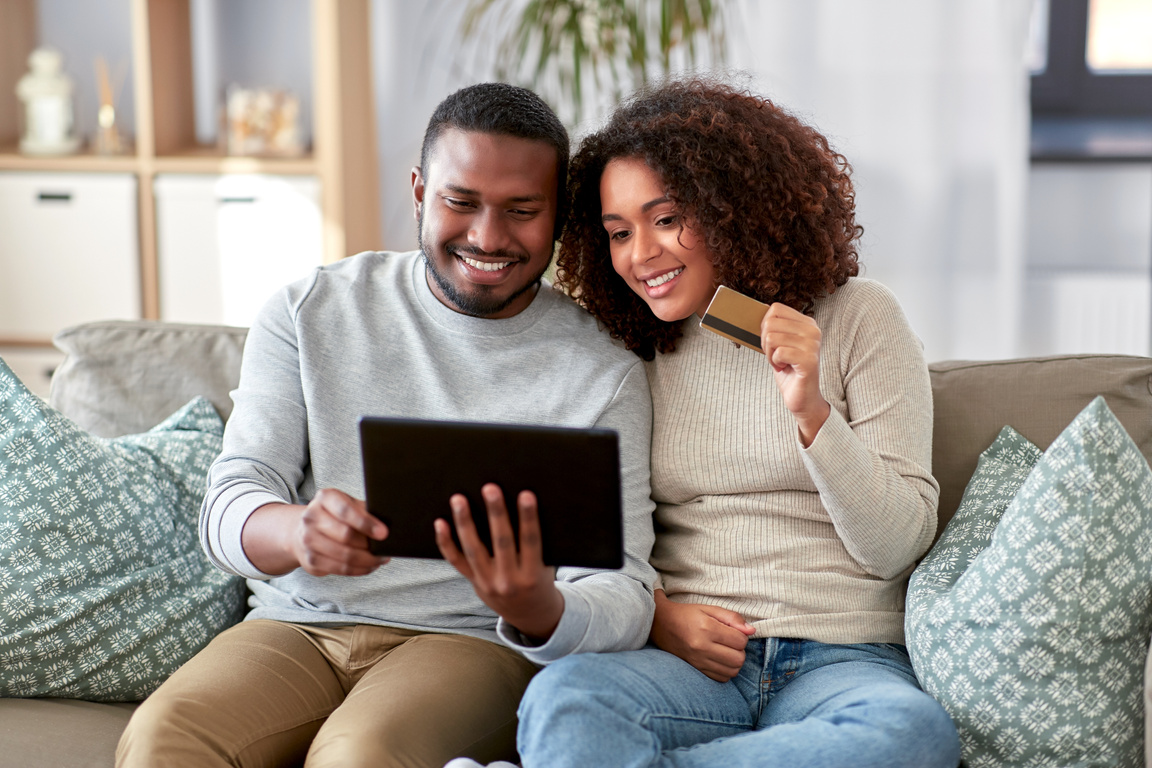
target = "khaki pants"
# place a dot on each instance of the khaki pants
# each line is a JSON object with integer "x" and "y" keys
{"x": 268, "y": 693}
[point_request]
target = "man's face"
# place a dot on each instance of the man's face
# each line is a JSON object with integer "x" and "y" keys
{"x": 486, "y": 208}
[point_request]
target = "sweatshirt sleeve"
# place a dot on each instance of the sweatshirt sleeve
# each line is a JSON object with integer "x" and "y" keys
{"x": 611, "y": 610}
{"x": 265, "y": 453}
{"x": 872, "y": 459}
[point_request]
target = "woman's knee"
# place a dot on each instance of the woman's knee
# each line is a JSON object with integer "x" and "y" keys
{"x": 924, "y": 727}
{"x": 563, "y": 682}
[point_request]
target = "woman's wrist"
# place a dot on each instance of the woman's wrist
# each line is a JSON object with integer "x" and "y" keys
{"x": 809, "y": 424}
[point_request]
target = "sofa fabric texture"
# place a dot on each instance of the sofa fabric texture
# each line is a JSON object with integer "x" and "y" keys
{"x": 104, "y": 590}
{"x": 1038, "y": 397}
{"x": 116, "y": 373}
{"x": 1029, "y": 619}
{"x": 125, "y": 377}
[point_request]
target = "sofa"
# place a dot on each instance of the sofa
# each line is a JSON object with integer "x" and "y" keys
{"x": 120, "y": 378}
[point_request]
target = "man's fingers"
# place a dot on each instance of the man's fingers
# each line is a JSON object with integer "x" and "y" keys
{"x": 353, "y": 513}
{"x": 531, "y": 546}
{"x": 322, "y": 556}
{"x": 449, "y": 549}
{"x": 500, "y": 526}
{"x": 470, "y": 544}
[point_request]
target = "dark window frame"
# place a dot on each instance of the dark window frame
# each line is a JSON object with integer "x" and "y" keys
{"x": 1068, "y": 88}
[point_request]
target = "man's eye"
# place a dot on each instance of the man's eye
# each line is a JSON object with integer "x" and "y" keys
{"x": 456, "y": 203}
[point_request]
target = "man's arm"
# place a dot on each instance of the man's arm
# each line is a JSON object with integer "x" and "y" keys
{"x": 599, "y": 610}
{"x": 329, "y": 536}
{"x": 251, "y": 522}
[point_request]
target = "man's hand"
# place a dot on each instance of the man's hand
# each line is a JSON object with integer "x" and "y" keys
{"x": 791, "y": 342}
{"x": 709, "y": 638}
{"x": 330, "y": 536}
{"x": 515, "y": 584}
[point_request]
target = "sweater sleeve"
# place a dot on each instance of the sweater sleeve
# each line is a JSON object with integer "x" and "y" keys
{"x": 872, "y": 459}
{"x": 265, "y": 453}
{"x": 611, "y": 610}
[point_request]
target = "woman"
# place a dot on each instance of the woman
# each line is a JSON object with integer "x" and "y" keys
{"x": 794, "y": 491}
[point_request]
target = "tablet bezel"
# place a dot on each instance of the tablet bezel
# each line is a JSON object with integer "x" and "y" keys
{"x": 412, "y": 466}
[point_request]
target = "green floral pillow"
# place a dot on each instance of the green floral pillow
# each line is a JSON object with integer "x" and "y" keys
{"x": 104, "y": 590}
{"x": 1029, "y": 620}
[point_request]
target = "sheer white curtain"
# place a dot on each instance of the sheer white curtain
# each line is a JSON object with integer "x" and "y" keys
{"x": 928, "y": 100}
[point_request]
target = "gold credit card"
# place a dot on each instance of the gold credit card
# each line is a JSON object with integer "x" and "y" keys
{"x": 735, "y": 317}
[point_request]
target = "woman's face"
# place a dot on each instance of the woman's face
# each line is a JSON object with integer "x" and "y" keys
{"x": 652, "y": 247}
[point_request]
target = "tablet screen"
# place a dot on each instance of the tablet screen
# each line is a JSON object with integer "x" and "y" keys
{"x": 412, "y": 467}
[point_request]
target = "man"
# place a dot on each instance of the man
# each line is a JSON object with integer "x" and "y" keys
{"x": 344, "y": 657}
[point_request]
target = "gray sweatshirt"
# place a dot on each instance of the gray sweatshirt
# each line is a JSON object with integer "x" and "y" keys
{"x": 366, "y": 336}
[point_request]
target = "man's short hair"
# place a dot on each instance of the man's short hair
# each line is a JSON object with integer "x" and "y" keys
{"x": 507, "y": 110}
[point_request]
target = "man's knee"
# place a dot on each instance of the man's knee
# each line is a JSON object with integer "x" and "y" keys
{"x": 161, "y": 725}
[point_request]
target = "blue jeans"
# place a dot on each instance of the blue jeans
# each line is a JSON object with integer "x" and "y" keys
{"x": 795, "y": 703}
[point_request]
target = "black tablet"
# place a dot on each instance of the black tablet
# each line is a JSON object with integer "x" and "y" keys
{"x": 412, "y": 467}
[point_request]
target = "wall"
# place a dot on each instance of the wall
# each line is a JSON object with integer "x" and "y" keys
{"x": 1088, "y": 285}
{"x": 1098, "y": 218}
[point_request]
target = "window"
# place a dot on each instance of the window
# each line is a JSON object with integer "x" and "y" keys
{"x": 1092, "y": 58}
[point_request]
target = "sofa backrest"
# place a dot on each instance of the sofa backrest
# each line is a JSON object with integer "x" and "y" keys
{"x": 1037, "y": 397}
{"x": 125, "y": 377}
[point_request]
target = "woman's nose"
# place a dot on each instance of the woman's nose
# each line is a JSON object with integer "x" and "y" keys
{"x": 645, "y": 247}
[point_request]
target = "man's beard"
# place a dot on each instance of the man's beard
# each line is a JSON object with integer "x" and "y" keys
{"x": 478, "y": 303}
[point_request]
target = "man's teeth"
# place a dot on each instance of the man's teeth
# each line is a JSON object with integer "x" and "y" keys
{"x": 485, "y": 266}
{"x": 663, "y": 278}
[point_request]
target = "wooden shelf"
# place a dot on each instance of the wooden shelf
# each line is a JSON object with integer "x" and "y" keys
{"x": 12, "y": 160}
{"x": 211, "y": 160}
{"x": 20, "y": 341}
{"x": 343, "y": 158}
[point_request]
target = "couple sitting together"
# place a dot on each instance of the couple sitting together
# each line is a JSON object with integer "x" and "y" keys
{"x": 774, "y": 505}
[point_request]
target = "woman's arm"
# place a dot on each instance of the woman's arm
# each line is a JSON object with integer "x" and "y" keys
{"x": 870, "y": 458}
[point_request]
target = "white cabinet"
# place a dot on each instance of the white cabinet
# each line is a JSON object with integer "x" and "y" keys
{"x": 226, "y": 243}
{"x": 69, "y": 251}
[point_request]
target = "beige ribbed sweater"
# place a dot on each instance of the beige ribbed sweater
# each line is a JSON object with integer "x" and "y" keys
{"x": 814, "y": 543}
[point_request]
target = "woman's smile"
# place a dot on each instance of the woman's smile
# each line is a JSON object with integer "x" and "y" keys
{"x": 653, "y": 248}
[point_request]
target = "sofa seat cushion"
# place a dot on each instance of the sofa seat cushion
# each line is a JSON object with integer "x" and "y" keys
{"x": 61, "y": 732}
{"x": 1029, "y": 619}
{"x": 104, "y": 590}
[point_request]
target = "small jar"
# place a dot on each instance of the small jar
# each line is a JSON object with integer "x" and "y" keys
{"x": 47, "y": 96}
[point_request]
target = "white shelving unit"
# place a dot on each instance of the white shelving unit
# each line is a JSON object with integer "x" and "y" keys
{"x": 341, "y": 164}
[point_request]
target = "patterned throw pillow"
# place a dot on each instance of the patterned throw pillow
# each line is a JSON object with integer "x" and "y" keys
{"x": 1029, "y": 620}
{"x": 104, "y": 590}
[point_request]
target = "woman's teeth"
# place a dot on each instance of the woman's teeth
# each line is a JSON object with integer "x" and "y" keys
{"x": 663, "y": 278}
{"x": 485, "y": 266}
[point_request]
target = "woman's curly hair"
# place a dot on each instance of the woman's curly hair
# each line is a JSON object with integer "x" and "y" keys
{"x": 769, "y": 198}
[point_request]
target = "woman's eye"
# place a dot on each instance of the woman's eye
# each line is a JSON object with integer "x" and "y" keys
{"x": 619, "y": 234}
{"x": 665, "y": 221}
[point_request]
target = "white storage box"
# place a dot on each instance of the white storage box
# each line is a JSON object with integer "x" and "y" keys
{"x": 68, "y": 251}
{"x": 226, "y": 243}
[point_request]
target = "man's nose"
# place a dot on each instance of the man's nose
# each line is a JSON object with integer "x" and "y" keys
{"x": 489, "y": 231}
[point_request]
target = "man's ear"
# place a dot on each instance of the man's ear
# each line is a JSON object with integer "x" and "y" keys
{"x": 417, "y": 191}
